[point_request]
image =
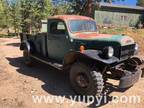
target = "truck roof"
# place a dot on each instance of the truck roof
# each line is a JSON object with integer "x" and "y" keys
{"x": 70, "y": 17}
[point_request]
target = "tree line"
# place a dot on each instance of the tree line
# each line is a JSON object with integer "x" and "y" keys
{"x": 26, "y": 15}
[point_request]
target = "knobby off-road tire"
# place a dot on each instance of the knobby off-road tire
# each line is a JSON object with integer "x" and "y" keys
{"x": 27, "y": 59}
{"x": 86, "y": 81}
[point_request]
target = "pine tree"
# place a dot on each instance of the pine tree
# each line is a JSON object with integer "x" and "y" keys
{"x": 33, "y": 11}
{"x": 140, "y": 2}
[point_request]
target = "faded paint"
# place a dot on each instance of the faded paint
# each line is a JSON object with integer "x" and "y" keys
{"x": 70, "y": 17}
{"x": 123, "y": 40}
{"x": 90, "y": 35}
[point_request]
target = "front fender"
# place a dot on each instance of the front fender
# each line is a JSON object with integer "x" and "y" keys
{"x": 90, "y": 54}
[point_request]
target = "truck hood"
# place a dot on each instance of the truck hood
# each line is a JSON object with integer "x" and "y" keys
{"x": 121, "y": 39}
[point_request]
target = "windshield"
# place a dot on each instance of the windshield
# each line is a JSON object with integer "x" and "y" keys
{"x": 82, "y": 26}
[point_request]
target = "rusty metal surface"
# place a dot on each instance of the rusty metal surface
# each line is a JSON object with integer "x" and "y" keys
{"x": 70, "y": 17}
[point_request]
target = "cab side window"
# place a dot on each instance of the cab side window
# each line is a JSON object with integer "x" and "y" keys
{"x": 57, "y": 27}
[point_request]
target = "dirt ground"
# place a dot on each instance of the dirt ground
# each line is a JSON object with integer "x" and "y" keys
{"x": 18, "y": 83}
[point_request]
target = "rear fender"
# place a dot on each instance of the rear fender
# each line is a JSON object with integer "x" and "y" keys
{"x": 25, "y": 45}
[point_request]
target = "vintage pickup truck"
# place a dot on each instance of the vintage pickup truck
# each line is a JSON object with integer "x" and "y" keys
{"x": 72, "y": 44}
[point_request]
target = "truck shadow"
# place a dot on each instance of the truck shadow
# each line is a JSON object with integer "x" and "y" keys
{"x": 14, "y": 44}
{"x": 57, "y": 82}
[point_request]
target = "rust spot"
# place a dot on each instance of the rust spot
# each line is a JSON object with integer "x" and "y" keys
{"x": 70, "y": 17}
{"x": 92, "y": 35}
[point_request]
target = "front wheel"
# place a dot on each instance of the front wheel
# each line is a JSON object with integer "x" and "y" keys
{"x": 86, "y": 81}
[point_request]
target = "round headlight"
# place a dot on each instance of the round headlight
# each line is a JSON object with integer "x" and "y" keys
{"x": 136, "y": 47}
{"x": 111, "y": 52}
{"x": 108, "y": 52}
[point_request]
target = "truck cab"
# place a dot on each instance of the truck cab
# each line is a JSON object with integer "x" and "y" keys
{"x": 73, "y": 43}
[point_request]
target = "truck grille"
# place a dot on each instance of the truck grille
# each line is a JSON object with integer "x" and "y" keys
{"x": 127, "y": 51}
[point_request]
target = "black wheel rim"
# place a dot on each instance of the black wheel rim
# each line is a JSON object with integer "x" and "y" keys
{"x": 82, "y": 80}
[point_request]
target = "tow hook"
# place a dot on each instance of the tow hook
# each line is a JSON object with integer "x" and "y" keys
{"x": 140, "y": 62}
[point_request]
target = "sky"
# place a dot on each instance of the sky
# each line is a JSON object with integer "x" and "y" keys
{"x": 127, "y": 2}
{"x": 120, "y": 2}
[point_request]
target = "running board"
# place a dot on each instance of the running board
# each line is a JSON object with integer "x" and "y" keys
{"x": 55, "y": 65}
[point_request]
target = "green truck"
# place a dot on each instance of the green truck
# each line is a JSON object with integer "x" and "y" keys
{"x": 72, "y": 44}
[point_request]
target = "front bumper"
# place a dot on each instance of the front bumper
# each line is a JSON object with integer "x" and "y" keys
{"x": 130, "y": 79}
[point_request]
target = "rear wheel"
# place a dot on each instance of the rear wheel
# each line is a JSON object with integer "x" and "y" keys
{"x": 27, "y": 59}
{"x": 86, "y": 81}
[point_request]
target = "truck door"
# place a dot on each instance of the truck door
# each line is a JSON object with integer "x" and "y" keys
{"x": 58, "y": 42}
